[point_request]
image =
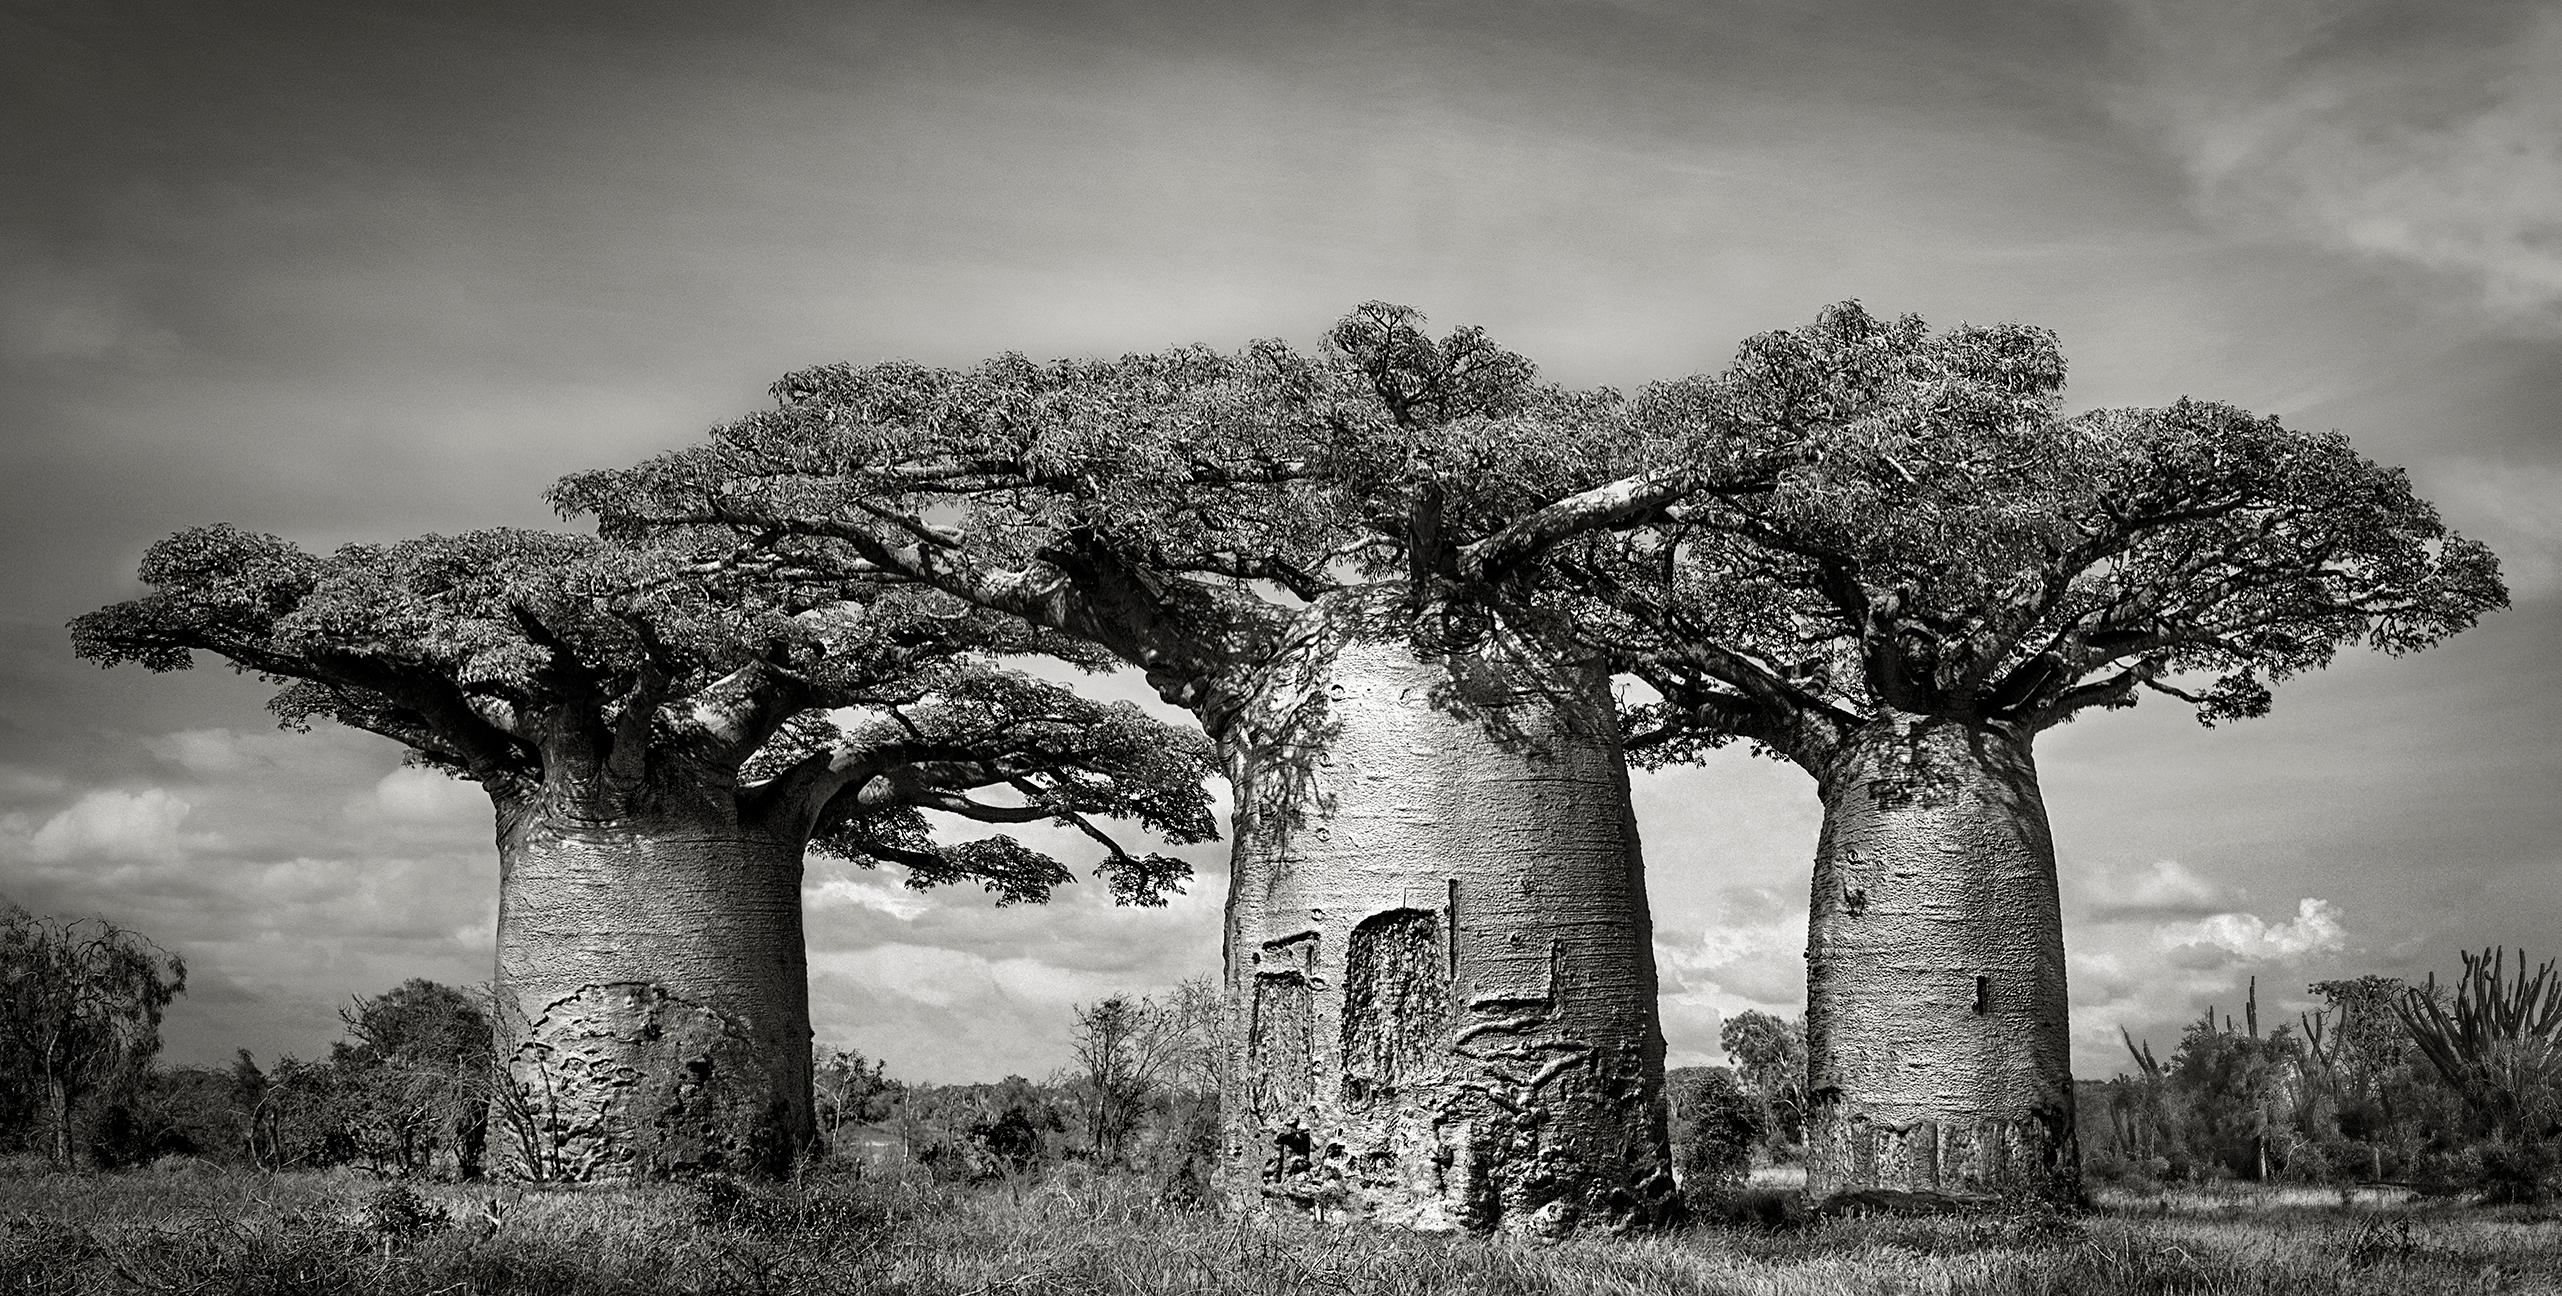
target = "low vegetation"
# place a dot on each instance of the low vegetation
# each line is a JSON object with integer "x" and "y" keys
{"x": 1067, "y": 1229}
{"x": 2401, "y": 1139}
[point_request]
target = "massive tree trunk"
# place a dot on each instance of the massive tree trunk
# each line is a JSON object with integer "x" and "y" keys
{"x": 1439, "y": 959}
{"x": 653, "y": 996}
{"x": 1939, "y": 1058}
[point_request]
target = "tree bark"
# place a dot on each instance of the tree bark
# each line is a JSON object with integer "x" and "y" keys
{"x": 1440, "y": 970}
{"x": 1937, "y": 1023}
{"x": 652, "y": 998}
{"x": 57, "y": 1091}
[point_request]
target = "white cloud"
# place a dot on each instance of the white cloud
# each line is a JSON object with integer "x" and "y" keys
{"x": 115, "y": 825}
{"x": 416, "y": 794}
{"x": 2163, "y": 889}
{"x": 1755, "y": 958}
{"x": 2315, "y": 929}
{"x": 209, "y": 751}
{"x": 2152, "y": 970}
{"x": 2370, "y": 128}
{"x": 864, "y": 893}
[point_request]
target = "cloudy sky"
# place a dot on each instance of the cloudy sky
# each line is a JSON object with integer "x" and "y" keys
{"x": 363, "y": 270}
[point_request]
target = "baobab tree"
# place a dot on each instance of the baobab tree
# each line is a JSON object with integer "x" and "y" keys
{"x": 662, "y": 740}
{"x": 1944, "y": 566}
{"x": 1441, "y": 986}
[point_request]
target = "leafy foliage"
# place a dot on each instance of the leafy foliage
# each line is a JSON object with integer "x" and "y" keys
{"x": 1769, "y": 1057}
{"x": 2348, "y": 1096}
{"x": 1177, "y": 508}
{"x": 1716, "y": 1122}
{"x": 1940, "y": 538}
{"x": 412, "y": 1078}
{"x": 1127, "y": 1050}
{"x": 558, "y": 669}
{"x": 851, "y": 1090}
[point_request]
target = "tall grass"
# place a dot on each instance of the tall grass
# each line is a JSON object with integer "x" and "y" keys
{"x": 1075, "y": 1233}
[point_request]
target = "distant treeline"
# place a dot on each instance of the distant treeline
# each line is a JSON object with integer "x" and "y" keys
{"x": 2443, "y": 1089}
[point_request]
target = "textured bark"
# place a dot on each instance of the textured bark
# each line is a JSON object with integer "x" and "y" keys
{"x": 653, "y": 999}
{"x": 1939, "y": 1058}
{"x": 1439, "y": 958}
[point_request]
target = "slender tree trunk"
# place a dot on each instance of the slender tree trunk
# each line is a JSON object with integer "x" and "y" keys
{"x": 652, "y": 998}
{"x": 1439, "y": 959}
{"x": 1939, "y": 1052}
{"x": 57, "y": 1091}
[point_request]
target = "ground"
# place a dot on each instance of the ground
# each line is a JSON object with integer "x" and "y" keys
{"x": 201, "y": 1231}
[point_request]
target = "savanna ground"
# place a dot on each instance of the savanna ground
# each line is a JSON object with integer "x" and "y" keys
{"x": 216, "y": 1232}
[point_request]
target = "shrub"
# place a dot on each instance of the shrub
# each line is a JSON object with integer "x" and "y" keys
{"x": 1715, "y": 1123}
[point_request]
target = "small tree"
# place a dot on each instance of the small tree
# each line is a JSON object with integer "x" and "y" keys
{"x": 852, "y": 1090}
{"x": 414, "y": 1071}
{"x": 80, "y": 1005}
{"x": 1715, "y": 1123}
{"x": 1125, "y": 1050}
{"x": 1769, "y": 1056}
{"x": 2237, "y": 1091}
{"x": 2361, "y": 1058}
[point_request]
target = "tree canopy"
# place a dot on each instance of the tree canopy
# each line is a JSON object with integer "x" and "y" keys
{"x": 545, "y": 665}
{"x": 1936, "y": 536}
{"x": 1176, "y": 507}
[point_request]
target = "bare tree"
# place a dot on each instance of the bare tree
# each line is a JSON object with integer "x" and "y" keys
{"x": 80, "y": 1005}
{"x": 1126, "y": 1051}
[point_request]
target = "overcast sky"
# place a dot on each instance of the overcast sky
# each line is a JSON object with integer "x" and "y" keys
{"x": 350, "y": 271}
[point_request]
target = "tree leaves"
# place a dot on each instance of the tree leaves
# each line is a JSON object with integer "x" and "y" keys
{"x": 1944, "y": 540}
{"x": 1176, "y": 507}
{"x": 552, "y": 665}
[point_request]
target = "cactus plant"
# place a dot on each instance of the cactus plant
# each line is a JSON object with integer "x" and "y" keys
{"x": 2497, "y": 1040}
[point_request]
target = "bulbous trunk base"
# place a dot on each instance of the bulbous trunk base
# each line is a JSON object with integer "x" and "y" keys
{"x": 1939, "y": 1053}
{"x": 653, "y": 1010}
{"x": 1440, "y": 963}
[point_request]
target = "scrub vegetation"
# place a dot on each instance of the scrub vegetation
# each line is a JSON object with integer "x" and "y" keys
{"x": 2239, "y": 1164}
{"x": 1070, "y": 1230}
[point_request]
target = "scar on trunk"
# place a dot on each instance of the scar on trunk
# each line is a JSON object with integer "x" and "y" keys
{"x": 1396, "y": 1003}
{"x": 1279, "y": 1040}
{"x": 627, "y": 1079}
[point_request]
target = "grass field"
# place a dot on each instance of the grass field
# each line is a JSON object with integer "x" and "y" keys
{"x": 219, "y": 1233}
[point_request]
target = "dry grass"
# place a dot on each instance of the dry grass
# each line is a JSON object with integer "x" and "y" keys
{"x": 1071, "y": 1233}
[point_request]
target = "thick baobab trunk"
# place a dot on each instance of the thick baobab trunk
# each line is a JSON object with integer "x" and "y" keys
{"x": 653, "y": 999}
{"x": 1439, "y": 959}
{"x": 1939, "y": 1058}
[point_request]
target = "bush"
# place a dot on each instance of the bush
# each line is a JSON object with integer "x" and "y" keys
{"x": 402, "y": 1219}
{"x": 2511, "y": 1172}
{"x": 1715, "y": 1124}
